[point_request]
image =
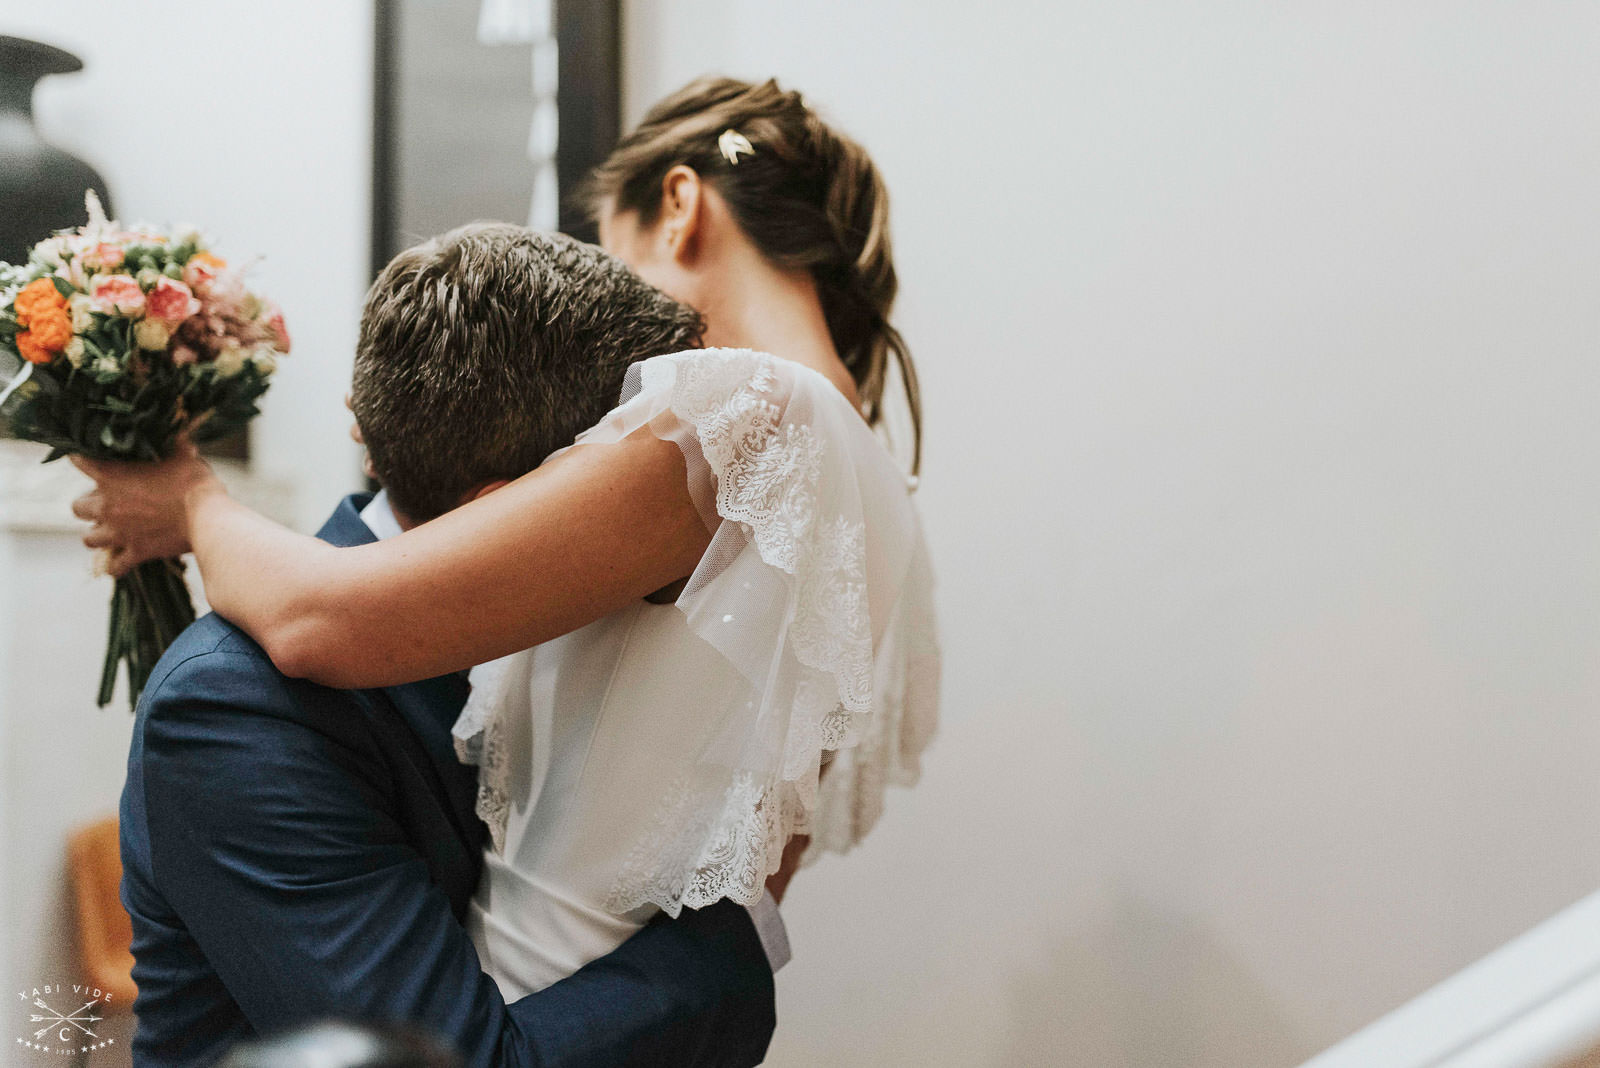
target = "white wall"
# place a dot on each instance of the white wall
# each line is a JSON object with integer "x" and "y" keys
{"x": 1259, "y": 358}
{"x": 1259, "y": 347}
{"x": 252, "y": 121}
{"x": 61, "y": 758}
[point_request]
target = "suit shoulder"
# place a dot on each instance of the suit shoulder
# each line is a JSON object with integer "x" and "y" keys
{"x": 221, "y": 704}
{"x": 205, "y": 637}
{"x": 215, "y": 670}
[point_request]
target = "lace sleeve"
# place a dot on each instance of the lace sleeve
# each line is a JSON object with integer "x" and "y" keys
{"x": 816, "y": 590}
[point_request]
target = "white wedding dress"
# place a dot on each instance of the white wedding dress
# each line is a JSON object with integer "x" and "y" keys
{"x": 662, "y": 756}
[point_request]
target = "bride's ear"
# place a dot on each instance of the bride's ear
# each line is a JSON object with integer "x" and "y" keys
{"x": 682, "y": 203}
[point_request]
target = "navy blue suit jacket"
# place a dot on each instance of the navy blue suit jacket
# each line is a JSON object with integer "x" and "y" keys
{"x": 293, "y": 852}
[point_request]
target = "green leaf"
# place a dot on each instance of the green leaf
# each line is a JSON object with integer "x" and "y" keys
{"x": 64, "y": 287}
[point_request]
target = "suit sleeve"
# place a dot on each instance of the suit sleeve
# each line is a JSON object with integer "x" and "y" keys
{"x": 275, "y": 842}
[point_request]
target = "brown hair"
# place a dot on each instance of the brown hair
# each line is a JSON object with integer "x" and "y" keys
{"x": 486, "y": 349}
{"x": 808, "y": 197}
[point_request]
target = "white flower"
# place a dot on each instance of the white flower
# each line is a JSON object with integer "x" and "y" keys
{"x": 79, "y": 305}
{"x": 73, "y": 272}
{"x": 107, "y": 365}
{"x": 49, "y": 252}
{"x": 74, "y": 351}
{"x": 188, "y": 234}
{"x": 230, "y": 361}
{"x": 266, "y": 360}
{"x": 152, "y": 334}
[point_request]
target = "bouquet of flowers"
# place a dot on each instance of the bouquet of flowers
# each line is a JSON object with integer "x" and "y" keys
{"x": 114, "y": 342}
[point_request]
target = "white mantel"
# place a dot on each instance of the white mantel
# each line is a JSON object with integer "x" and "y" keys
{"x": 35, "y": 497}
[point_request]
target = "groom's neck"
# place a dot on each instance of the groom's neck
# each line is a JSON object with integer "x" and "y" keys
{"x": 405, "y": 522}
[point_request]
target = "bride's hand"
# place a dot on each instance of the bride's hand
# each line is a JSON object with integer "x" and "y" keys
{"x": 140, "y": 511}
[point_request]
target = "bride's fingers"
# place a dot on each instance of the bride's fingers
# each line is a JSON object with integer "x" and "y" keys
{"x": 100, "y": 536}
{"x": 91, "y": 507}
{"x": 120, "y": 562}
{"x": 104, "y": 472}
{"x": 99, "y": 470}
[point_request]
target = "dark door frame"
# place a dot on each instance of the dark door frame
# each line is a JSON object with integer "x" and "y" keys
{"x": 588, "y": 103}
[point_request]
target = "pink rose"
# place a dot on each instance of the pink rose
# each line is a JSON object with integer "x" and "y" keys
{"x": 199, "y": 274}
{"x": 170, "y": 301}
{"x": 280, "y": 330}
{"x": 117, "y": 294}
{"x": 106, "y": 255}
{"x": 225, "y": 296}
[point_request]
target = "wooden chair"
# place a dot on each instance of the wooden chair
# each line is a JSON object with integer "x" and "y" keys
{"x": 105, "y": 934}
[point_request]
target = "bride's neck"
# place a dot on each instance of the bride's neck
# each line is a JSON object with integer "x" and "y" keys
{"x": 758, "y": 306}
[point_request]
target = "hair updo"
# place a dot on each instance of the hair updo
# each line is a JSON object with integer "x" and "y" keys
{"x": 807, "y": 196}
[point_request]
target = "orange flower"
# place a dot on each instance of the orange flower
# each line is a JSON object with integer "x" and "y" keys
{"x": 215, "y": 262}
{"x": 51, "y": 330}
{"x": 30, "y": 349}
{"x": 43, "y": 311}
{"x": 39, "y": 297}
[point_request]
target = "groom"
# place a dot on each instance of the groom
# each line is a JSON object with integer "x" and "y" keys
{"x": 293, "y": 852}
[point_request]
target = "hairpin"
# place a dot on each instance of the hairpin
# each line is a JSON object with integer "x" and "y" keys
{"x": 732, "y": 142}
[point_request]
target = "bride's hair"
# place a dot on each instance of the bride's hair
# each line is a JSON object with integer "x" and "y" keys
{"x": 807, "y": 196}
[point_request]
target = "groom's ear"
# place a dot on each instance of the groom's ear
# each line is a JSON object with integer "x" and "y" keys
{"x": 486, "y": 489}
{"x": 681, "y": 205}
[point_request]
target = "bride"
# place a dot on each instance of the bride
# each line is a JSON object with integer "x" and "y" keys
{"x": 704, "y": 628}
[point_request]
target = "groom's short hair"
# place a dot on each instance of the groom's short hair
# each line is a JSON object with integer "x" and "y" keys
{"x": 484, "y": 350}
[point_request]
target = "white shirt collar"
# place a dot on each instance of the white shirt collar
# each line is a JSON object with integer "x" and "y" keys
{"x": 378, "y": 515}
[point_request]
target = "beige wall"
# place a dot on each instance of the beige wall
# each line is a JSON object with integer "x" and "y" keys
{"x": 1260, "y": 360}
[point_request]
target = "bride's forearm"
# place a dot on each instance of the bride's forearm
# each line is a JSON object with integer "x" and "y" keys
{"x": 579, "y": 538}
{"x": 265, "y": 578}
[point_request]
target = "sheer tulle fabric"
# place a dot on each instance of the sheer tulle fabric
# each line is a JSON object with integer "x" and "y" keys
{"x": 816, "y": 593}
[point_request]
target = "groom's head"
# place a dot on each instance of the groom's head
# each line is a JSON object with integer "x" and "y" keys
{"x": 484, "y": 350}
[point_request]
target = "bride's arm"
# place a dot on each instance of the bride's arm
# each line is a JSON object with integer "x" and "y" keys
{"x": 585, "y": 534}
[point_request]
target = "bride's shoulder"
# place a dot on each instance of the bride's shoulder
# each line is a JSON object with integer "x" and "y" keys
{"x": 716, "y": 376}
{"x": 742, "y": 409}
{"x": 728, "y": 367}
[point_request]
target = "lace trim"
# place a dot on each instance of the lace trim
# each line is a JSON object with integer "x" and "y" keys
{"x": 767, "y": 473}
{"x": 479, "y": 737}
{"x": 767, "y": 478}
{"x": 737, "y": 830}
